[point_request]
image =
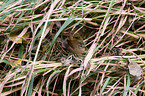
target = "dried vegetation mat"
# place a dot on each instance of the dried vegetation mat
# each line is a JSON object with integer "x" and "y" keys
{"x": 72, "y": 47}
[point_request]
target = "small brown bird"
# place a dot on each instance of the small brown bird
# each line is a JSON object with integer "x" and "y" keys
{"x": 74, "y": 46}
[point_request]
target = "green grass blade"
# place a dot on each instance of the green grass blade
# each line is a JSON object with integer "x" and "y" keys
{"x": 9, "y": 2}
{"x": 137, "y": 89}
{"x": 39, "y": 34}
{"x": 76, "y": 24}
{"x": 108, "y": 12}
{"x": 127, "y": 86}
{"x": 50, "y": 77}
{"x": 107, "y": 17}
{"x": 5, "y": 15}
{"x": 105, "y": 85}
{"x": 115, "y": 94}
{"x": 20, "y": 54}
{"x": 20, "y": 17}
{"x": 7, "y": 62}
{"x": 62, "y": 14}
{"x": 31, "y": 86}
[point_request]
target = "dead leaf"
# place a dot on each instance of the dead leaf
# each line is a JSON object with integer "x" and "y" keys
{"x": 134, "y": 68}
{"x": 14, "y": 36}
{"x": 17, "y": 36}
{"x": 17, "y": 62}
{"x": 25, "y": 36}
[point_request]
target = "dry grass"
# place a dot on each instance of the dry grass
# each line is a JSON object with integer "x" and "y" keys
{"x": 35, "y": 60}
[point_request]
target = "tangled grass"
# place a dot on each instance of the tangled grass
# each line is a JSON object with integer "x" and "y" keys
{"x": 35, "y": 60}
